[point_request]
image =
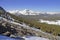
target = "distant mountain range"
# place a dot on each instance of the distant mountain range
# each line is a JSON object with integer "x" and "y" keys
{"x": 24, "y": 12}
{"x": 36, "y": 15}
{"x": 30, "y": 12}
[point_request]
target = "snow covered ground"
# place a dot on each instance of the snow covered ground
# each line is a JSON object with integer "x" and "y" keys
{"x": 34, "y": 38}
{"x": 2, "y": 37}
{"x": 57, "y": 22}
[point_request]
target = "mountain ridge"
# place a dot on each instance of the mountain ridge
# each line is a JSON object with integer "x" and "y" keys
{"x": 30, "y": 12}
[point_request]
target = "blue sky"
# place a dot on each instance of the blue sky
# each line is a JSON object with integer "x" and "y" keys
{"x": 37, "y": 5}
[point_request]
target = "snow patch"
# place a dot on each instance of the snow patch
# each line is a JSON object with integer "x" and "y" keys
{"x": 57, "y": 22}
{"x": 34, "y": 38}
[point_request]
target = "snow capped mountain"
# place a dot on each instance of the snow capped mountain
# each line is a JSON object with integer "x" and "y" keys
{"x": 30, "y": 12}
{"x": 27, "y": 12}
{"x": 14, "y": 11}
{"x": 24, "y": 12}
{"x": 53, "y": 12}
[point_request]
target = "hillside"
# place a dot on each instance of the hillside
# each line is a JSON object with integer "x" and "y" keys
{"x": 20, "y": 26}
{"x": 55, "y": 29}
